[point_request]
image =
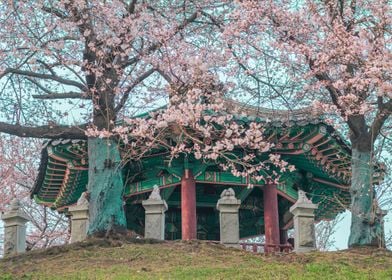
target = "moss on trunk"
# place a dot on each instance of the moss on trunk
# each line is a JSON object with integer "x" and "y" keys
{"x": 366, "y": 227}
{"x": 105, "y": 187}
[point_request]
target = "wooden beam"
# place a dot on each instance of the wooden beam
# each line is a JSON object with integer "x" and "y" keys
{"x": 198, "y": 204}
{"x": 167, "y": 192}
{"x": 344, "y": 187}
{"x": 244, "y": 194}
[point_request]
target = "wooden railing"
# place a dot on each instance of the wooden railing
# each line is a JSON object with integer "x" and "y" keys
{"x": 266, "y": 248}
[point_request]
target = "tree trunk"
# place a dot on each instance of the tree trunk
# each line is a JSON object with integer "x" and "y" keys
{"x": 366, "y": 227}
{"x": 105, "y": 187}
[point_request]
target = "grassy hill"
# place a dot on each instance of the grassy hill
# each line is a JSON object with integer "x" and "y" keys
{"x": 103, "y": 259}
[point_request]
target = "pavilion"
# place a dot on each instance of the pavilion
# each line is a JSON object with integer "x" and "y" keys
{"x": 191, "y": 188}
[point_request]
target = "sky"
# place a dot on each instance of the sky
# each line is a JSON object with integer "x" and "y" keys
{"x": 343, "y": 230}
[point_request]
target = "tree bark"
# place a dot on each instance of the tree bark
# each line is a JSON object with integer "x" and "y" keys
{"x": 45, "y": 131}
{"x": 105, "y": 187}
{"x": 366, "y": 226}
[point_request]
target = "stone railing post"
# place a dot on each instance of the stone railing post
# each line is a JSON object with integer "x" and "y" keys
{"x": 304, "y": 234}
{"x": 228, "y": 206}
{"x": 79, "y": 219}
{"x": 14, "y": 229}
{"x": 155, "y": 208}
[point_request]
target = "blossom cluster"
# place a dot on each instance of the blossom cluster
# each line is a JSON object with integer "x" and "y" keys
{"x": 18, "y": 169}
{"x": 343, "y": 50}
{"x": 196, "y": 121}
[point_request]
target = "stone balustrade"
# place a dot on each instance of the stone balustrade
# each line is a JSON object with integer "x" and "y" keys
{"x": 228, "y": 206}
{"x": 155, "y": 208}
{"x": 14, "y": 229}
{"x": 304, "y": 232}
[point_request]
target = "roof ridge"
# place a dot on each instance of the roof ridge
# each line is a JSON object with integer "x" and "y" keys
{"x": 256, "y": 111}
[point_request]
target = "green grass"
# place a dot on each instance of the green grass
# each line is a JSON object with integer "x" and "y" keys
{"x": 102, "y": 259}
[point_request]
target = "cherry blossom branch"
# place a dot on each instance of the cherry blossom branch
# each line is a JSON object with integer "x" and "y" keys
{"x": 156, "y": 46}
{"x": 218, "y": 24}
{"x": 258, "y": 80}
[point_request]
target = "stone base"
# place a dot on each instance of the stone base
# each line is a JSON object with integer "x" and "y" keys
{"x": 228, "y": 206}
{"x": 155, "y": 217}
{"x": 229, "y": 227}
{"x": 14, "y": 229}
{"x": 304, "y": 232}
{"x": 79, "y": 222}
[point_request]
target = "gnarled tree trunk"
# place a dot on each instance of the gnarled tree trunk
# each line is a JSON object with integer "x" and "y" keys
{"x": 366, "y": 226}
{"x": 105, "y": 187}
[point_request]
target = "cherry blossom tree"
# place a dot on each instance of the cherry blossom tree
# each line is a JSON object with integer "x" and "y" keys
{"x": 17, "y": 172}
{"x": 340, "y": 53}
{"x": 80, "y": 69}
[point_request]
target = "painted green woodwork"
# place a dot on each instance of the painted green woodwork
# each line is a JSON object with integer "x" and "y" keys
{"x": 365, "y": 226}
{"x": 243, "y": 194}
{"x": 105, "y": 186}
{"x": 288, "y": 190}
{"x": 309, "y": 145}
{"x": 167, "y": 192}
{"x": 322, "y": 160}
{"x": 148, "y": 184}
{"x": 65, "y": 175}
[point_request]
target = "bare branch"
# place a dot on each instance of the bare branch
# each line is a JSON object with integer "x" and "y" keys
{"x": 43, "y": 76}
{"x": 125, "y": 96}
{"x": 45, "y": 131}
{"x": 165, "y": 76}
{"x": 47, "y": 66}
{"x": 65, "y": 95}
{"x": 54, "y": 11}
{"x": 383, "y": 113}
{"x": 55, "y": 95}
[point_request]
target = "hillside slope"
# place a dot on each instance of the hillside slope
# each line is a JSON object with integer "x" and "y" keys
{"x": 102, "y": 259}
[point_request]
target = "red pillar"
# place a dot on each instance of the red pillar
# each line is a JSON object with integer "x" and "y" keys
{"x": 188, "y": 206}
{"x": 271, "y": 217}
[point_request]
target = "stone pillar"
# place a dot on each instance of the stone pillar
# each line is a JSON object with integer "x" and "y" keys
{"x": 79, "y": 219}
{"x": 304, "y": 235}
{"x": 14, "y": 229}
{"x": 271, "y": 218}
{"x": 155, "y": 208}
{"x": 228, "y": 206}
{"x": 188, "y": 206}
